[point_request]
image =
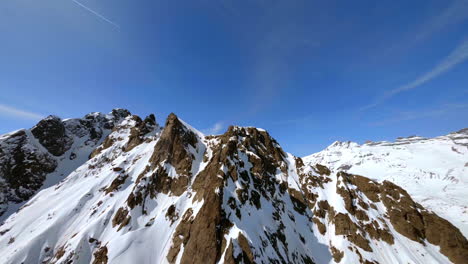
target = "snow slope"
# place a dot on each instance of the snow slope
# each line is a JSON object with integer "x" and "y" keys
{"x": 434, "y": 171}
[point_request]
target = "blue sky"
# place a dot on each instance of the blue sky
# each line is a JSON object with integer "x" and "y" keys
{"x": 310, "y": 72}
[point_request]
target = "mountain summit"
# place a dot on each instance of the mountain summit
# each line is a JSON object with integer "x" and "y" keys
{"x": 121, "y": 189}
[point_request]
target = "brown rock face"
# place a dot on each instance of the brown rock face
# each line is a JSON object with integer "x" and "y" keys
{"x": 138, "y": 132}
{"x": 337, "y": 254}
{"x": 116, "y": 183}
{"x": 165, "y": 184}
{"x": 359, "y": 195}
{"x": 416, "y": 223}
{"x": 173, "y": 149}
{"x": 345, "y": 226}
{"x": 269, "y": 155}
{"x": 203, "y": 235}
{"x": 407, "y": 217}
{"x": 173, "y": 145}
{"x": 100, "y": 256}
{"x": 121, "y": 218}
{"x": 203, "y": 245}
{"x": 247, "y": 255}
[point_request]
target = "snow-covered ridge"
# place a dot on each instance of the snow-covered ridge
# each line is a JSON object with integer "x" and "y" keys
{"x": 37, "y": 158}
{"x": 433, "y": 170}
{"x": 151, "y": 194}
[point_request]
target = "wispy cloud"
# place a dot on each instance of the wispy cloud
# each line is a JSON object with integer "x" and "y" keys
{"x": 215, "y": 129}
{"x": 97, "y": 14}
{"x": 6, "y": 110}
{"x": 275, "y": 55}
{"x": 455, "y": 13}
{"x": 457, "y": 56}
{"x": 440, "y": 111}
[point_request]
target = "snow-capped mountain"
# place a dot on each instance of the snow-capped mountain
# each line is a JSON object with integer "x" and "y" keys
{"x": 33, "y": 159}
{"x": 152, "y": 194}
{"x": 434, "y": 171}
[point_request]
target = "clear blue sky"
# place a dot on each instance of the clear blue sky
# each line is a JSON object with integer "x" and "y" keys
{"x": 310, "y": 72}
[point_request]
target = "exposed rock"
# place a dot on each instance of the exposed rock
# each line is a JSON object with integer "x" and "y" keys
{"x": 247, "y": 255}
{"x": 345, "y": 226}
{"x": 171, "y": 214}
{"x": 337, "y": 254}
{"x": 411, "y": 220}
{"x": 52, "y": 135}
{"x": 116, "y": 183}
{"x": 407, "y": 217}
{"x": 120, "y": 113}
{"x": 138, "y": 132}
{"x": 173, "y": 144}
{"x": 173, "y": 149}
{"x": 100, "y": 256}
{"x": 322, "y": 170}
{"x": 121, "y": 218}
{"x": 23, "y": 167}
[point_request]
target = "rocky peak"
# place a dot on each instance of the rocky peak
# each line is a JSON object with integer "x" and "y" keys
{"x": 460, "y": 137}
{"x": 342, "y": 144}
{"x": 51, "y": 133}
{"x": 120, "y": 113}
{"x": 169, "y": 170}
{"x": 131, "y": 131}
{"x": 173, "y": 146}
{"x": 53, "y": 148}
{"x": 150, "y": 121}
{"x": 264, "y": 152}
{"x": 462, "y": 131}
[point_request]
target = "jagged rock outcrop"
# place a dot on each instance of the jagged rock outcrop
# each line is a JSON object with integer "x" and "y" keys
{"x": 23, "y": 167}
{"x": 51, "y": 134}
{"x": 173, "y": 195}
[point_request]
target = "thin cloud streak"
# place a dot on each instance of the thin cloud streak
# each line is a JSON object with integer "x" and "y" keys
{"x": 215, "y": 129}
{"x": 457, "y": 56}
{"x": 97, "y": 14}
{"x": 455, "y": 13}
{"x": 6, "y": 110}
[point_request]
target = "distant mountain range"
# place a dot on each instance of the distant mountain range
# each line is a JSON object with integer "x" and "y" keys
{"x": 434, "y": 171}
{"x": 116, "y": 188}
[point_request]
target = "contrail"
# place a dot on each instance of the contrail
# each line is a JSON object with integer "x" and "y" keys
{"x": 97, "y": 14}
{"x": 457, "y": 56}
{"x": 18, "y": 113}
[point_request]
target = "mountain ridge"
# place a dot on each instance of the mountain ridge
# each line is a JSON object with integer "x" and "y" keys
{"x": 152, "y": 194}
{"x": 433, "y": 170}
